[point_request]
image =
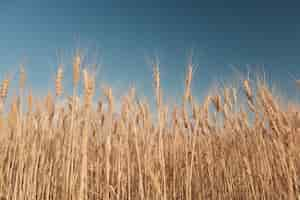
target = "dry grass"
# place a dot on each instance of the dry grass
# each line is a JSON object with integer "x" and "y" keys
{"x": 218, "y": 149}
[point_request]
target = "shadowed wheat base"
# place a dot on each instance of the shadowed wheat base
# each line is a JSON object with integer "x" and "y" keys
{"x": 218, "y": 149}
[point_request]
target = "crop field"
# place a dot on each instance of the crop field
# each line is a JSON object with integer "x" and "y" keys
{"x": 239, "y": 142}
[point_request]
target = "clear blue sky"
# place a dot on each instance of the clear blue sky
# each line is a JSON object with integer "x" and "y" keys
{"x": 125, "y": 34}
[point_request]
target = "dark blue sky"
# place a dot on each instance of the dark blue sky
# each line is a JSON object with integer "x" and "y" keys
{"x": 123, "y": 35}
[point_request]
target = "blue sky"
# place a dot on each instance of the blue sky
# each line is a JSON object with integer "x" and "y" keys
{"x": 124, "y": 35}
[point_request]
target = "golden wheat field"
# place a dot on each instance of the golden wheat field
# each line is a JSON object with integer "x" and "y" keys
{"x": 72, "y": 146}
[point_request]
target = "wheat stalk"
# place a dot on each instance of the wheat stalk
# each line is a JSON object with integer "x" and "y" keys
{"x": 188, "y": 81}
{"x": 156, "y": 75}
{"x": 108, "y": 94}
{"x": 76, "y": 69}
{"x": 217, "y": 101}
{"x": 4, "y": 89}
{"x": 89, "y": 87}
{"x": 58, "y": 81}
{"x": 22, "y": 78}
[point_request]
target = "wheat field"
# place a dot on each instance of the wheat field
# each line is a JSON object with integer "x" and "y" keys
{"x": 238, "y": 143}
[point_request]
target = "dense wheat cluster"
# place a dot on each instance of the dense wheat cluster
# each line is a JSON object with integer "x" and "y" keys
{"x": 239, "y": 143}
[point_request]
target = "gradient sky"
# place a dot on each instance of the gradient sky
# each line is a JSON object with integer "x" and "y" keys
{"x": 124, "y": 35}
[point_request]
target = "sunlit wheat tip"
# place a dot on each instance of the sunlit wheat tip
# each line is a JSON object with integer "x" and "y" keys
{"x": 248, "y": 90}
{"x": 4, "y": 89}
{"x": 76, "y": 69}
{"x": 58, "y": 81}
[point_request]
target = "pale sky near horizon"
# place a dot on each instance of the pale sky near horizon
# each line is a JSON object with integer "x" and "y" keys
{"x": 124, "y": 35}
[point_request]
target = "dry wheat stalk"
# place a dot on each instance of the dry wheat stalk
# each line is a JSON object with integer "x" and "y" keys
{"x": 100, "y": 107}
{"x": 22, "y": 78}
{"x": 13, "y": 114}
{"x": 58, "y": 81}
{"x": 89, "y": 87}
{"x": 156, "y": 75}
{"x": 175, "y": 116}
{"x": 49, "y": 103}
{"x": 227, "y": 97}
{"x": 234, "y": 96}
{"x": 217, "y": 101}
{"x": 1, "y": 107}
{"x": 188, "y": 81}
{"x": 4, "y": 89}
{"x": 108, "y": 94}
{"x": 125, "y": 108}
{"x": 76, "y": 69}
{"x": 248, "y": 91}
{"x": 30, "y": 101}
